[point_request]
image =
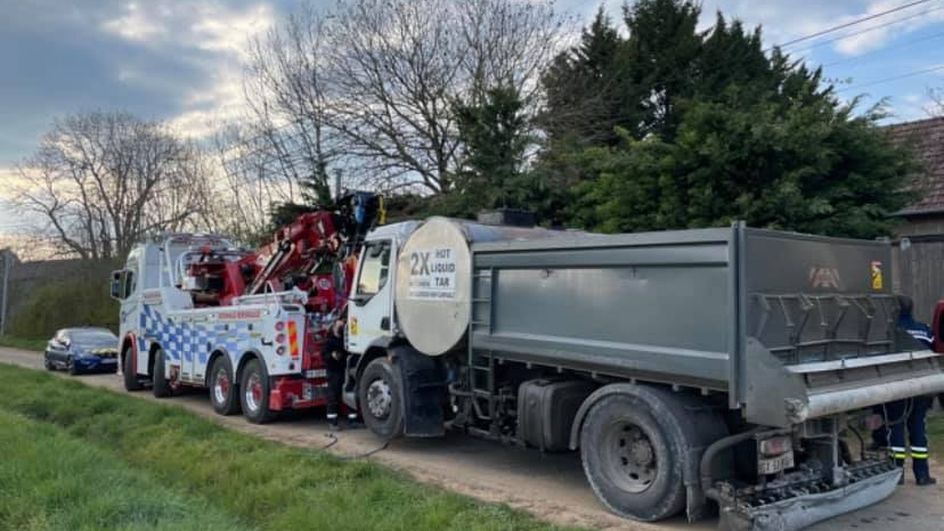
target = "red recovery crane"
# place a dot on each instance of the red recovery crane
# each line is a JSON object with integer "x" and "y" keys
{"x": 313, "y": 258}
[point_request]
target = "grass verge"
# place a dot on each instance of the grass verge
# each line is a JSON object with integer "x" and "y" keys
{"x": 23, "y": 343}
{"x": 258, "y": 483}
{"x": 51, "y": 480}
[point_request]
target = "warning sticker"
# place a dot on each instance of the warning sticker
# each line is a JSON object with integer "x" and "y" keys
{"x": 432, "y": 274}
{"x": 876, "y": 270}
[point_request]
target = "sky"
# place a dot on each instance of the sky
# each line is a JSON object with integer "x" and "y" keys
{"x": 181, "y": 60}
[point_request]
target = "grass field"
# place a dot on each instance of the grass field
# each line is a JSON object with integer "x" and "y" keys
{"x": 23, "y": 343}
{"x": 161, "y": 467}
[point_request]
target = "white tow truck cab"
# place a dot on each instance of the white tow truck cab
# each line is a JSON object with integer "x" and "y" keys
{"x": 253, "y": 354}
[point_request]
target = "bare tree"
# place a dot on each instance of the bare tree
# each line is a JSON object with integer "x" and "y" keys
{"x": 936, "y": 105}
{"x": 369, "y": 86}
{"x": 103, "y": 180}
{"x": 288, "y": 100}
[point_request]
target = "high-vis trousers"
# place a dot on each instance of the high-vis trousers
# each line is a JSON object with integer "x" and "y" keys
{"x": 911, "y": 428}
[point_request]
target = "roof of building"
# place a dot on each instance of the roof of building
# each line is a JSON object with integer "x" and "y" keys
{"x": 926, "y": 137}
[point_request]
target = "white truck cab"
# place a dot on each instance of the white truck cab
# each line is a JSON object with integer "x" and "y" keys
{"x": 371, "y": 315}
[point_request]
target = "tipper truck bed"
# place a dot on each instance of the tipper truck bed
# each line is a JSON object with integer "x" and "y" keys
{"x": 736, "y": 366}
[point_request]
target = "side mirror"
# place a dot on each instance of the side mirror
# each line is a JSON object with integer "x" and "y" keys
{"x": 116, "y": 284}
{"x": 120, "y": 284}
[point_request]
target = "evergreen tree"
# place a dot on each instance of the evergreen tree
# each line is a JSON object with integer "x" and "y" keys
{"x": 720, "y": 131}
{"x": 494, "y": 137}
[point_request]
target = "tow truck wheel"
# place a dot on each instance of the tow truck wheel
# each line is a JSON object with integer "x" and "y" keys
{"x": 161, "y": 387}
{"x": 631, "y": 448}
{"x": 378, "y": 396}
{"x": 127, "y": 371}
{"x": 255, "y": 393}
{"x": 223, "y": 389}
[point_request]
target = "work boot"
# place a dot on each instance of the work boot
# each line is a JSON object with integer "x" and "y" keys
{"x": 333, "y": 422}
{"x": 925, "y": 481}
{"x": 352, "y": 422}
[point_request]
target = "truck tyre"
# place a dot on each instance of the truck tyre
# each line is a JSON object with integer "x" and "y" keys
{"x": 127, "y": 371}
{"x": 161, "y": 387}
{"x": 378, "y": 396}
{"x": 632, "y": 450}
{"x": 223, "y": 388}
{"x": 255, "y": 393}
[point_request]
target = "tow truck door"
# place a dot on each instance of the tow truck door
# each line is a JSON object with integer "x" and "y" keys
{"x": 371, "y": 313}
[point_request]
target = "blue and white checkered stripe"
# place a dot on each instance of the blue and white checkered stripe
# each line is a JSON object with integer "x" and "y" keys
{"x": 183, "y": 341}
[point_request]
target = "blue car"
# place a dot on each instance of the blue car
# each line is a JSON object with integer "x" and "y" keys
{"x": 82, "y": 350}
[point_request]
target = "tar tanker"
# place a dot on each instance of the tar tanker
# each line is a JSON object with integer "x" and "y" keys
{"x": 729, "y": 366}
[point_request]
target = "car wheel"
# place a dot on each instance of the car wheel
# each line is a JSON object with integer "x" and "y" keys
{"x": 48, "y": 364}
{"x": 254, "y": 395}
{"x": 161, "y": 387}
{"x": 223, "y": 388}
{"x": 378, "y": 397}
{"x": 127, "y": 369}
{"x": 70, "y": 366}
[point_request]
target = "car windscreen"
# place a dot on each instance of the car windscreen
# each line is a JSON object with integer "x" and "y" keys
{"x": 93, "y": 338}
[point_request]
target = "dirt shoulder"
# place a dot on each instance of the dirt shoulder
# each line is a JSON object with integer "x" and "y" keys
{"x": 549, "y": 486}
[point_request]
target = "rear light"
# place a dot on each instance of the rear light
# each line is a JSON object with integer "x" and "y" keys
{"x": 279, "y": 326}
{"x": 775, "y": 446}
{"x": 280, "y": 350}
{"x": 280, "y": 338}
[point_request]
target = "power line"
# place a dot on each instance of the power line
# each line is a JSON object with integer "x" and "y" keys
{"x": 852, "y": 23}
{"x": 894, "y": 78}
{"x": 906, "y": 44}
{"x": 867, "y": 30}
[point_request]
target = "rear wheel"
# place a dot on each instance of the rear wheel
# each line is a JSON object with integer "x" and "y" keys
{"x": 633, "y": 449}
{"x": 161, "y": 387}
{"x": 223, "y": 387}
{"x": 378, "y": 396}
{"x": 127, "y": 370}
{"x": 254, "y": 394}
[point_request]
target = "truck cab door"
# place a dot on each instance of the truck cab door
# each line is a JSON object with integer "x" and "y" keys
{"x": 370, "y": 314}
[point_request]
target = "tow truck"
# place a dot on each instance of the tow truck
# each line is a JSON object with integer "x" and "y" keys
{"x": 249, "y": 325}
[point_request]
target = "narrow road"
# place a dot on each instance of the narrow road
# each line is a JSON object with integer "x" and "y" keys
{"x": 550, "y": 486}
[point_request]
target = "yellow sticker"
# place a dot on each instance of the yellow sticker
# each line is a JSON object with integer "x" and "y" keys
{"x": 876, "y": 268}
{"x": 353, "y": 328}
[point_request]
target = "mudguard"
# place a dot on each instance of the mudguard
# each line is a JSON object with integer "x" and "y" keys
{"x": 423, "y": 388}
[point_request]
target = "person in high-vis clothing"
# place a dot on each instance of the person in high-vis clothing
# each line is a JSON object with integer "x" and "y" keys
{"x": 335, "y": 358}
{"x": 909, "y": 415}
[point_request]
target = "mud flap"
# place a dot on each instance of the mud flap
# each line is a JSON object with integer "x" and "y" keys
{"x": 803, "y": 511}
{"x": 423, "y": 388}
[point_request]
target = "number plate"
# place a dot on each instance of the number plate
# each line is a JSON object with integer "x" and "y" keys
{"x": 775, "y": 464}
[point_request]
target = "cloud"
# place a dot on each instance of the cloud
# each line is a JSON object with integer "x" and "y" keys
{"x": 135, "y": 24}
{"x": 875, "y": 33}
{"x": 211, "y": 36}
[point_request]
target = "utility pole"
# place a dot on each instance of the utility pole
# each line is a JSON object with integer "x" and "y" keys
{"x": 7, "y": 264}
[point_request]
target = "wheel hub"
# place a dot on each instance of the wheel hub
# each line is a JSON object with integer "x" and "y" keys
{"x": 221, "y": 387}
{"x": 632, "y": 457}
{"x": 379, "y": 398}
{"x": 254, "y": 393}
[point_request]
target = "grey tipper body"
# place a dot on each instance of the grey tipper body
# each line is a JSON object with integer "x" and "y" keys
{"x": 749, "y": 356}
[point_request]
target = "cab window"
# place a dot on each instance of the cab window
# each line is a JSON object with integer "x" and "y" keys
{"x": 375, "y": 268}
